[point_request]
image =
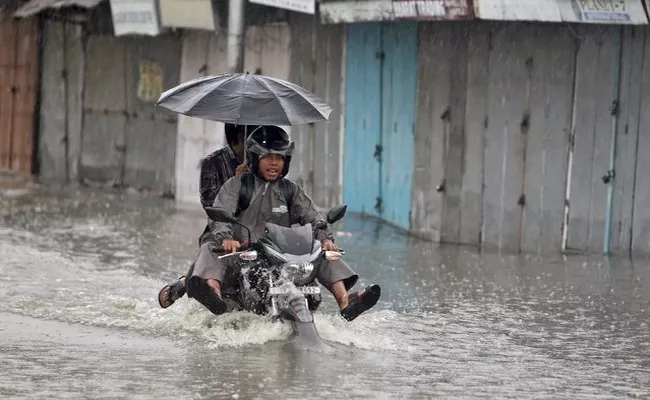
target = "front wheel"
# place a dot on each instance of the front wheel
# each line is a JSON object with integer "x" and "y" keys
{"x": 299, "y": 310}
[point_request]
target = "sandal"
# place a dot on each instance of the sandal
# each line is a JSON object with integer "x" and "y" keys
{"x": 361, "y": 301}
{"x": 174, "y": 291}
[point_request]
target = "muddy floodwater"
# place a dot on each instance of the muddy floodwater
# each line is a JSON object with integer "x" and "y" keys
{"x": 79, "y": 318}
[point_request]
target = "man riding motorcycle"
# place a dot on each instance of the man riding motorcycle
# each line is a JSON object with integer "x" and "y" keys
{"x": 269, "y": 150}
{"x": 216, "y": 168}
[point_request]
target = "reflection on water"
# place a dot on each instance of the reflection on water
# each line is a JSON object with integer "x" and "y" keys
{"x": 80, "y": 271}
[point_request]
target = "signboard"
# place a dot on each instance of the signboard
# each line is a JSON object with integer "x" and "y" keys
{"x": 430, "y": 9}
{"x": 302, "y": 6}
{"x": 390, "y": 10}
{"x": 150, "y": 83}
{"x": 518, "y": 10}
{"x": 36, "y": 6}
{"x": 196, "y": 14}
{"x": 586, "y": 11}
{"x": 601, "y": 11}
{"x": 136, "y": 17}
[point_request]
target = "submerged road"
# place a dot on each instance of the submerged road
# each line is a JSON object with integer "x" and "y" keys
{"x": 80, "y": 271}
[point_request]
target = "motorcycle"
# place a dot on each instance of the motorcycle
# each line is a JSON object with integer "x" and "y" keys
{"x": 276, "y": 274}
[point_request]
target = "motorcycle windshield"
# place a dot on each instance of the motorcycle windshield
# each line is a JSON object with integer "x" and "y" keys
{"x": 297, "y": 241}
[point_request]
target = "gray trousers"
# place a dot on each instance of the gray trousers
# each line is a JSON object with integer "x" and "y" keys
{"x": 209, "y": 266}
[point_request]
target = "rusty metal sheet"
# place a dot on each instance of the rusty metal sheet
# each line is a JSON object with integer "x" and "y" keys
{"x": 35, "y": 6}
{"x": 7, "y": 56}
{"x": 584, "y": 11}
{"x": 18, "y": 68}
{"x": 26, "y": 69}
{"x": 394, "y": 10}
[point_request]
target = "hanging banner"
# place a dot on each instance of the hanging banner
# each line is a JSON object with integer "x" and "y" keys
{"x": 625, "y": 12}
{"x": 135, "y": 17}
{"x": 302, "y": 6}
{"x": 607, "y": 10}
{"x": 33, "y": 7}
{"x": 197, "y": 14}
{"x": 334, "y": 12}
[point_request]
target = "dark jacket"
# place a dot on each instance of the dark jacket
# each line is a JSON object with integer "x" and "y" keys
{"x": 267, "y": 205}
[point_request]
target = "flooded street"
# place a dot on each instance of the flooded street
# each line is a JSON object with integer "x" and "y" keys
{"x": 80, "y": 271}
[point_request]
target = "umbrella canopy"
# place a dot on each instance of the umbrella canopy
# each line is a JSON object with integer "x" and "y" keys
{"x": 246, "y": 99}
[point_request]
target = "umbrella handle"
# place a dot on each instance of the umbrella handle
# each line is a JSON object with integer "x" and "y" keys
{"x": 245, "y": 140}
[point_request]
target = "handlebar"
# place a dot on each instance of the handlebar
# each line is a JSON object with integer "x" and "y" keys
{"x": 247, "y": 245}
{"x": 219, "y": 249}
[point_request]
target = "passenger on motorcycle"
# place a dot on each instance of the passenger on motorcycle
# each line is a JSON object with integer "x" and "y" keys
{"x": 269, "y": 150}
{"x": 216, "y": 168}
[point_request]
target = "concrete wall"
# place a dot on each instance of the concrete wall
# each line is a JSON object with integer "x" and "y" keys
{"x": 515, "y": 124}
{"x": 98, "y": 120}
{"x": 126, "y": 139}
{"x": 61, "y": 102}
{"x": 516, "y": 128}
{"x": 203, "y": 54}
{"x": 317, "y": 64}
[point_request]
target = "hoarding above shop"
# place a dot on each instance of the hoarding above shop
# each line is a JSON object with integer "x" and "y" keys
{"x": 393, "y": 10}
{"x": 584, "y": 11}
{"x": 36, "y": 6}
{"x": 196, "y": 14}
{"x": 302, "y": 6}
{"x": 135, "y": 17}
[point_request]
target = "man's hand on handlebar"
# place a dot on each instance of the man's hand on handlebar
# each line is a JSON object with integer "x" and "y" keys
{"x": 230, "y": 246}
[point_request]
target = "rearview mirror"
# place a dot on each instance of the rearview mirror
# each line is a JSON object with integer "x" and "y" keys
{"x": 336, "y": 213}
{"x": 220, "y": 215}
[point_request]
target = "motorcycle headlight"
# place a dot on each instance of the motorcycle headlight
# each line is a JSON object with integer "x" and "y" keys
{"x": 300, "y": 272}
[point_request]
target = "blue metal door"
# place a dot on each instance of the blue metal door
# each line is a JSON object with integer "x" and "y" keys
{"x": 399, "y": 76}
{"x": 381, "y": 70}
{"x": 362, "y": 117}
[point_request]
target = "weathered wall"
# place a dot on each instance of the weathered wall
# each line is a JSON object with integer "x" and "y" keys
{"x": 317, "y": 64}
{"x": 594, "y": 94}
{"x": 104, "y": 110}
{"x": 203, "y": 54}
{"x": 517, "y": 125}
{"x": 61, "y": 102}
{"x": 609, "y": 135}
{"x": 266, "y": 50}
{"x": 98, "y": 120}
{"x": 492, "y": 133}
{"x": 19, "y": 60}
{"x": 380, "y": 97}
{"x": 126, "y": 139}
{"x": 641, "y": 215}
{"x": 150, "y": 130}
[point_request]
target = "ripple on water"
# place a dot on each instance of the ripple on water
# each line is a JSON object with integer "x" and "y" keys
{"x": 451, "y": 323}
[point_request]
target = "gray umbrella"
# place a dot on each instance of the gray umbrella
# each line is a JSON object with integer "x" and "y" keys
{"x": 246, "y": 99}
